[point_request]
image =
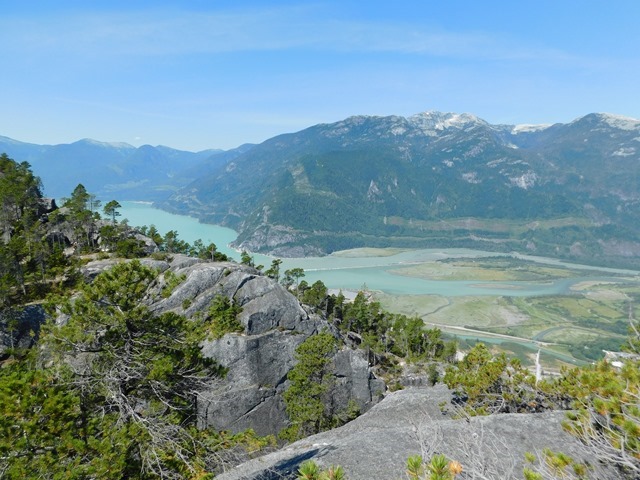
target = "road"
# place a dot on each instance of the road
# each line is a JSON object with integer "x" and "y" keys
{"x": 536, "y": 344}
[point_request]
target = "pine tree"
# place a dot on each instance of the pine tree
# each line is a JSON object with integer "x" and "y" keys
{"x": 310, "y": 381}
{"x": 111, "y": 210}
{"x": 80, "y": 216}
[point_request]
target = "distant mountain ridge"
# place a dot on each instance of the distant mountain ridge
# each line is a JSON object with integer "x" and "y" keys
{"x": 433, "y": 180}
{"x": 114, "y": 170}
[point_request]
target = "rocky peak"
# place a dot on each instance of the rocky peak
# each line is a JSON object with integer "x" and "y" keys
{"x": 608, "y": 120}
{"x": 259, "y": 359}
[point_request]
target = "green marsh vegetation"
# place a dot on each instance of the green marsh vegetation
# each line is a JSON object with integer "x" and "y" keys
{"x": 593, "y": 316}
{"x": 498, "y": 268}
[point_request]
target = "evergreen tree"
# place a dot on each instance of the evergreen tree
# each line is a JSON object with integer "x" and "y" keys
{"x": 43, "y": 433}
{"x": 274, "y": 270}
{"x": 111, "y": 210}
{"x": 154, "y": 235}
{"x": 20, "y": 192}
{"x": 172, "y": 244}
{"x": 24, "y": 252}
{"x": 80, "y": 216}
{"x": 607, "y": 408}
{"x": 94, "y": 204}
{"x": 316, "y": 295}
{"x": 207, "y": 252}
{"x": 246, "y": 259}
{"x": 223, "y": 317}
{"x": 310, "y": 381}
{"x": 491, "y": 384}
{"x": 292, "y": 276}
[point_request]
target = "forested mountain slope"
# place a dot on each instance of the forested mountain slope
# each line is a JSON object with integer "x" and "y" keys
{"x": 433, "y": 180}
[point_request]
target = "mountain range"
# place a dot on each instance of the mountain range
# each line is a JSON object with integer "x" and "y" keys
{"x": 431, "y": 180}
{"x": 115, "y": 170}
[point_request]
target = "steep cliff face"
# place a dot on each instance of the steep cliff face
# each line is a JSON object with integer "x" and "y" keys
{"x": 259, "y": 359}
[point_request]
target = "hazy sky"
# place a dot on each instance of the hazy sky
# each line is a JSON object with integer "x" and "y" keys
{"x": 215, "y": 74}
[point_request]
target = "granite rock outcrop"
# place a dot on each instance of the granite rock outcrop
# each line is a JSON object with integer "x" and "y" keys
{"x": 409, "y": 422}
{"x": 258, "y": 359}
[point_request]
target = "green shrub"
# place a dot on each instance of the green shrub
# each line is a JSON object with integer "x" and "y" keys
{"x": 310, "y": 470}
{"x": 438, "y": 468}
{"x": 223, "y": 317}
{"x": 162, "y": 256}
{"x": 171, "y": 282}
{"x": 433, "y": 375}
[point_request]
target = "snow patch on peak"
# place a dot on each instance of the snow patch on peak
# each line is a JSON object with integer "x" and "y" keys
{"x": 431, "y": 122}
{"x": 471, "y": 177}
{"x": 615, "y": 121}
{"x": 619, "y": 121}
{"x": 374, "y": 192}
{"x": 121, "y": 145}
{"x": 624, "y": 152}
{"x": 525, "y": 181}
{"x": 529, "y": 128}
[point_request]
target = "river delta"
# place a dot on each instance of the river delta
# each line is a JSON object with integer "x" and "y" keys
{"x": 522, "y": 303}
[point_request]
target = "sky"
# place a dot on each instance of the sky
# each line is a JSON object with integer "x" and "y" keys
{"x": 195, "y": 75}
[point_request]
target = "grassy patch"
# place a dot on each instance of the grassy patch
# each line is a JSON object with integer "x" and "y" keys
{"x": 412, "y": 305}
{"x": 497, "y": 269}
{"x": 482, "y": 311}
{"x": 489, "y": 225}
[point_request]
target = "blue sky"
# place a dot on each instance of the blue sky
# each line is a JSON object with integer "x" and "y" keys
{"x": 216, "y": 74}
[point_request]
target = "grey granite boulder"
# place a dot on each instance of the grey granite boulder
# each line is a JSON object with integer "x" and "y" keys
{"x": 353, "y": 379}
{"x": 149, "y": 245}
{"x": 250, "y": 396}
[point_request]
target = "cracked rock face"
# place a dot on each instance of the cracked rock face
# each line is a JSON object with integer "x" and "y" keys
{"x": 251, "y": 396}
{"x": 259, "y": 359}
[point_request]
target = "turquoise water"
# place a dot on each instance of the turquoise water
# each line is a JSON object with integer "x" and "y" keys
{"x": 355, "y": 273}
{"x": 188, "y": 228}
